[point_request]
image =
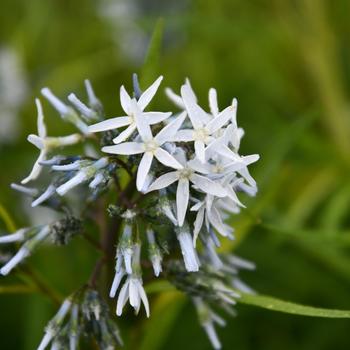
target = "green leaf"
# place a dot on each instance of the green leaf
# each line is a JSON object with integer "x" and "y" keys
{"x": 7, "y": 219}
{"x": 274, "y": 304}
{"x": 150, "y": 69}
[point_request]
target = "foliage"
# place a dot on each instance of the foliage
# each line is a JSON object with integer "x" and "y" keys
{"x": 287, "y": 63}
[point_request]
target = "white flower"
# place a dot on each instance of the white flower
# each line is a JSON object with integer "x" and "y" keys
{"x": 150, "y": 146}
{"x": 203, "y": 125}
{"x": 132, "y": 288}
{"x": 131, "y": 109}
{"x": 188, "y": 252}
{"x": 176, "y": 99}
{"x": 184, "y": 176}
{"x": 212, "y": 98}
{"x": 45, "y": 143}
{"x": 208, "y": 212}
{"x": 134, "y": 291}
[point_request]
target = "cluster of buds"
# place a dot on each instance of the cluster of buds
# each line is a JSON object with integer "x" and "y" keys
{"x": 128, "y": 265}
{"x": 60, "y": 232}
{"x": 216, "y": 286}
{"x": 31, "y": 237}
{"x": 185, "y": 175}
{"x": 84, "y": 314}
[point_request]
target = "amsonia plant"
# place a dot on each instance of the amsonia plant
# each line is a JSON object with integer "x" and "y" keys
{"x": 168, "y": 181}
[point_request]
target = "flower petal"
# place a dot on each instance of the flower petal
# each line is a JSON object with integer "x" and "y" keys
{"x": 41, "y": 124}
{"x": 156, "y": 117}
{"x": 199, "y": 148}
{"x": 198, "y": 223}
{"x": 142, "y": 125}
{"x": 168, "y": 132}
{"x": 213, "y": 102}
{"x": 182, "y": 197}
{"x": 165, "y": 158}
{"x": 234, "y": 115}
{"x": 125, "y": 148}
{"x": 133, "y": 293}
{"x": 232, "y": 194}
{"x": 125, "y": 100}
{"x": 125, "y": 134}
{"x": 208, "y": 186}
{"x": 199, "y": 167}
{"x": 147, "y": 96}
{"x": 164, "y": 181}
{"x": 216, "y": 221}
{"x": 36, "y": 168}
{"x": 109, "y": 124}
{"x": 122, "y": 298}
{"x": 245, "y": 173}
{"x": 144, "y": 299}
{"x": 37, "y": 141}
{"x": 195, "y": 113}
{"x": 116, "y": 282}
{"x": 219, "y": 121}
{"x": 143, "y": 170}
{"x": 190, "y": 90}
{"x": 176, "y": 99}
{"x": 184, "y": 135}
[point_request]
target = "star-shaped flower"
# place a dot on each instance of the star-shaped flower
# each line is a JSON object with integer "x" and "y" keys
{"x": 184, "y": 177}
{"x": 150, "y": 146}
{"x": 131, "y": 109}
{"x": 204, "y": 127}
{"x": 45, "y": 143}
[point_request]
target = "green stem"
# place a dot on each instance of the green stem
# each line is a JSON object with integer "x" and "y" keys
{"x": 40, "y": 284}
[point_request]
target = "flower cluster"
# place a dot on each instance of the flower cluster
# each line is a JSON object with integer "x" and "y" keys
{"x": 86, "y": 315}
{"x": 216, "y": 286}
{"x": 176, "y": 179}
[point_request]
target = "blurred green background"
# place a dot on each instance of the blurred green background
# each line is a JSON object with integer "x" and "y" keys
{"x": 287, "y": 62}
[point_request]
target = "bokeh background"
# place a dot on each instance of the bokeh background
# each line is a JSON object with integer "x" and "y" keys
{"x": 287, "y": 62}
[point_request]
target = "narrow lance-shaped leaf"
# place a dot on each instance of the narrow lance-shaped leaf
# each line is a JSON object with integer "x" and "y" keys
{"x": 267, "y": 302}
{"x": 288, "y": 307}
{"x": 150, "y": 69}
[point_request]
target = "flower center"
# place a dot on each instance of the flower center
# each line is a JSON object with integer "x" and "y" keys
{"x": 151, "y": 146}
{"x": 201, "y": 134}
{"x": 185, "y": 173}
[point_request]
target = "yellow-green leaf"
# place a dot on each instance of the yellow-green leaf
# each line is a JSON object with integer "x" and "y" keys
{"x": 274, "y": 304}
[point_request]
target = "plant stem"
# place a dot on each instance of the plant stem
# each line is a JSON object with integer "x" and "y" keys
{"x": 40, "y": 284}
